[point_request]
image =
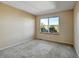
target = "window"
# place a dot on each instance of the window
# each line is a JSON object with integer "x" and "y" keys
{"x": 49, "y": 25}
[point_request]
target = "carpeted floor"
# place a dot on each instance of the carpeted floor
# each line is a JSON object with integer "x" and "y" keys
{"x": 39, "y": 49}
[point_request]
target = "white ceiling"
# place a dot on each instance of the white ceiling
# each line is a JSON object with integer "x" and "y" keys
{"x": 41, "y": 7}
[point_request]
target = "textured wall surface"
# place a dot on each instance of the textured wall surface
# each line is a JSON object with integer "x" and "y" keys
{"x": 15, "y": 26}
{"x": 65, "y": 28}
{"x": 76, "y": 27}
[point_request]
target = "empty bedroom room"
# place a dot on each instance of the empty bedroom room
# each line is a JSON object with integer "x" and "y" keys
{"x": 39, "y": 29}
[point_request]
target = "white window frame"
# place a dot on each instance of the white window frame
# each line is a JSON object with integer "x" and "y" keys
{"x": 49, "y": 25}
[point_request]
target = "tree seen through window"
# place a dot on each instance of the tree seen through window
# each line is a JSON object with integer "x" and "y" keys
{"x": 50, "y": 25}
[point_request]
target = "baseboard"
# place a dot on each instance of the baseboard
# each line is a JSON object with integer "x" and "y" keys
{"x": 14, "y": 45}
{"x": 56, "y": 42}
{"x": 76, "y": 52}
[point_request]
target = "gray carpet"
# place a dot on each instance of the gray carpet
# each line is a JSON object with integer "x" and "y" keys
{"x": 39, "y": 49}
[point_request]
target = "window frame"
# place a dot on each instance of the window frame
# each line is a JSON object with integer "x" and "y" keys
{"x": 49, "y": 25}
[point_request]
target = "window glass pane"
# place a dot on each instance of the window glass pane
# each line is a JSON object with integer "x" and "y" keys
{"x": 54, "y": 21}
{"x": 44, "y": 25}
{"x": 54, "y": 24}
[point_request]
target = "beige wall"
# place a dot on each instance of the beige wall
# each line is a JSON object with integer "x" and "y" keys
{"x": 76, "y": 27}
{"x": 66, "y": 28}
{"x": 16, "y": 26}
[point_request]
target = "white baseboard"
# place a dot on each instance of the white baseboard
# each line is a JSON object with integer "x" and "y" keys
{"x": 14, "y": 45}
{"x": 76, "y": 51}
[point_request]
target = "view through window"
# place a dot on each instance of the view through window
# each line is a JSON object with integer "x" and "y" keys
{"x": 49, "y": 25}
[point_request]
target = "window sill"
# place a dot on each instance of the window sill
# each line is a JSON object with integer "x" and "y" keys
{"x": 49, "y": 33}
